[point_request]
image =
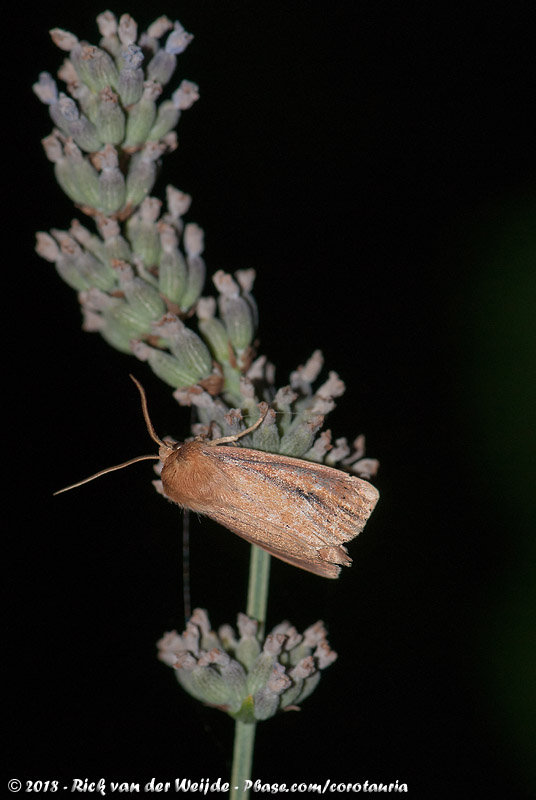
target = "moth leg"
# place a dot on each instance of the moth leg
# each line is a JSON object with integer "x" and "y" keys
{"x": 236, "y": 436}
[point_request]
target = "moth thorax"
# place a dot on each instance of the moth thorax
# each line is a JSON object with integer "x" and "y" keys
{"x": 191, "y": 477}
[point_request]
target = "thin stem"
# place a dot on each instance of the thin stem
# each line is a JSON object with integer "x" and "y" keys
{"x": 259, "y": 581}
{"x": 244, "y": 742}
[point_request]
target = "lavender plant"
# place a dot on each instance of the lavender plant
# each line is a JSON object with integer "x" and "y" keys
{"x": 139, "y": 275}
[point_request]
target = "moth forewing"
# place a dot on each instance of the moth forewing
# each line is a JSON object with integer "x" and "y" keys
{"x": 300, "y": 512}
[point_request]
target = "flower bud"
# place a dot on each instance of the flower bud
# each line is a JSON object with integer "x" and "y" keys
{"x": 161, "y": 67}
{"x": 89, "y": 241}
{"x": 172, "y": 268}
{"x": 66, "y": 115}
{"x": 178, "y": 204}
{"x": 143, "y": 231}
{"x": 111, "y": 182}
{"x": 235, "y": 312}
{"x": 178, "y": 40}
{"x": 107, "y": 24}
{"x": 165, "y": 366}
{"x": 63, "y": 39}
{"x": 142, "y": 173}
{"x": 85, "y": 134}
{"x": 46, "y": 89}
{"x": 119, "y": 327}
{"x": 94, "y": 67}
{"x": 185, "y": 96}
{"x": 186, "y": 346}
{"x": 166, "y": 119}
{"x": 144, "y": 301}
{"x": 127, "y": 30}
{"x": 266, "y": 437}
{"x": 213, "y": 330}
{"x": 141, "y": 116}
{"x": 116, "y": 246}
{"x": 131, "y": 77}
{"x": 78, "y": 172}
{"x": 299, "y": 437}
{"x": 110, "y": 119}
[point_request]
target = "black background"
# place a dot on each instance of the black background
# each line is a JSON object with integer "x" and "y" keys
{"x": 375, "y": 165}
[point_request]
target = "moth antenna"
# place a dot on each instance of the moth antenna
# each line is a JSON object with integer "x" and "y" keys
{"x": 148, "y": 423}
{"x": 239, "y": 435}
{"x": 104, "y": 471}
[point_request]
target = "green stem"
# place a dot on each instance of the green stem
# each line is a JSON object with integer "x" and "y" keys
{"x": 244, "y": 741}
{"x": 259, "y": 581}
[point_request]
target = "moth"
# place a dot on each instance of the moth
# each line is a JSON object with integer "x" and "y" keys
{"x": 298, "y": 511}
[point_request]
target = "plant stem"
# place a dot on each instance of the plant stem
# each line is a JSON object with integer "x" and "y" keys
{"x": 257, "y": 602}
{"x": 259, "y": 581}
{"x": 244, "y": 742}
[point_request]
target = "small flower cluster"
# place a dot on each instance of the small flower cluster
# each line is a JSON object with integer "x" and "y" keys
{"x": 249, "y": 679}
{"x": 110, "y": 132}
{"x": 141, "y": 275}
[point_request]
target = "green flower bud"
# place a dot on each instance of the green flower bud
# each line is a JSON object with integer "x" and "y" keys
{"x": 112, "y": 317}
{"x": 87, "y": 100}
{"x": 247, "y": 649}
{"x": 89, "y": 241}
{"x": 81, "y": 174}
{"x": 172, "y": 268}
{"x": 267, "y": 436}
{"x": 166, "y": 119}
{"x": 97, "y": 274}
{"x": 186, "y": 346}
{"x": 262, "y": 668}
{"x": 111, "y": 182}
{"x": 66, "y": 177}
{"x": 142, "y": 173}
{"x": 213, "y": 329}
{"x": 196, "y": 280}
{"x": 69, "y": 259}
{"x": 299, "y": 436}
{"x": 117, "y": 333}
{"x": 115, "y": 246}
{"x": 165, "y": 366}
{"x": 110, "y": 119}
{"x": 128, "y": 320}
{"x": 68, "y": 268}
{"x": 235, "y": 311}
{"x": 141, "y": 117}
{"x": 193, "y": 245}
{"x": 143, "y": 232}
{"x": 94, "y": 66}
{"x": 144, "y": 301}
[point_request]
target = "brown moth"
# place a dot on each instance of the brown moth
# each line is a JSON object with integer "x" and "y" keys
{"x": 298, "y": 511}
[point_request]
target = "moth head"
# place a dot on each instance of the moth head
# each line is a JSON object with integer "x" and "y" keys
{"x": 168, "y": 448}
